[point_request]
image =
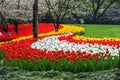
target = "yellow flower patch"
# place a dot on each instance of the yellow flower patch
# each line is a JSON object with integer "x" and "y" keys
{"x": 65, "y": 29}
{"x": 77, "y": 37}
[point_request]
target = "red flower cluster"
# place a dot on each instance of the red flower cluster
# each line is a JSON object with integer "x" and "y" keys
{"x": 103, "y": 42}
{"x": 23, "y": 51}
{"x": 25, "y": 30}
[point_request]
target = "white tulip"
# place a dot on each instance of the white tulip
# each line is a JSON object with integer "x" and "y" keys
{"x": 52, "y": 43}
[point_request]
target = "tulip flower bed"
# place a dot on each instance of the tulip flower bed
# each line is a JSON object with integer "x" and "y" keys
{"x": 62, "y": 51}
{"x": 25, "y": 30}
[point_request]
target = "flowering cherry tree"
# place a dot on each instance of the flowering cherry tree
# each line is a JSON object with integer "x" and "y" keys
{"x": 57, "y": 10}
{"x": 15, "y": 11}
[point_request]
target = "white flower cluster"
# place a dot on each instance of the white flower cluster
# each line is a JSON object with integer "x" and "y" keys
{"x": 52, "y": 43}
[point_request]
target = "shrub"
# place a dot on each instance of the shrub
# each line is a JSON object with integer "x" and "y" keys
{"x": 80, "y": 33}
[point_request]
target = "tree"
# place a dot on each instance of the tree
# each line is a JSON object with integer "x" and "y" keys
{"x": 20, "y": 10}
{"x": 16, "y": 11}
{"x": 57, "y": 10}
{"x": 35, "y": 18}
{"x": 99, "y": 7}
{"x": 16, "y": 22}
{"x": 3, "y": 19}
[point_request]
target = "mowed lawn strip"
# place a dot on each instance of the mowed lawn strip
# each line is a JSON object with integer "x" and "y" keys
{"x": 101, "y": 30}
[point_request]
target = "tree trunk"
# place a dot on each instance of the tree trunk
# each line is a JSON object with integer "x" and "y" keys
{"x": 35, "y": 18}
{"x": 57, "y": 27}
{"x": 18, "y": 7}
{"x": 16, "y": 26}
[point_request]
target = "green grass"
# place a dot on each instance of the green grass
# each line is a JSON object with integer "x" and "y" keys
{"x": 101, "y": 31}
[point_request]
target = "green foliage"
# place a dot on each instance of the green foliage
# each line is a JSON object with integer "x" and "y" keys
{"x": 65, "y": 65}
{"x": 80, "y": 33}
{"x": 2, "y": 53}
{"x": 8, "y": 73}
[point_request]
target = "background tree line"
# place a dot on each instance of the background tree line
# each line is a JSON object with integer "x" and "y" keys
{"x": 85, "y": 9}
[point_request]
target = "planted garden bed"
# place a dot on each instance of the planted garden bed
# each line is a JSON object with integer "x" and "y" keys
{"x": 62, "y": 51}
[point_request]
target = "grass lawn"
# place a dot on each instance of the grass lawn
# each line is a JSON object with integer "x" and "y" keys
{"x": 100, "y": 30}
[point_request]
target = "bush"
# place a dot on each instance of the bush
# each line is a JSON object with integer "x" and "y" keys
{"x": 80, "y": 33}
